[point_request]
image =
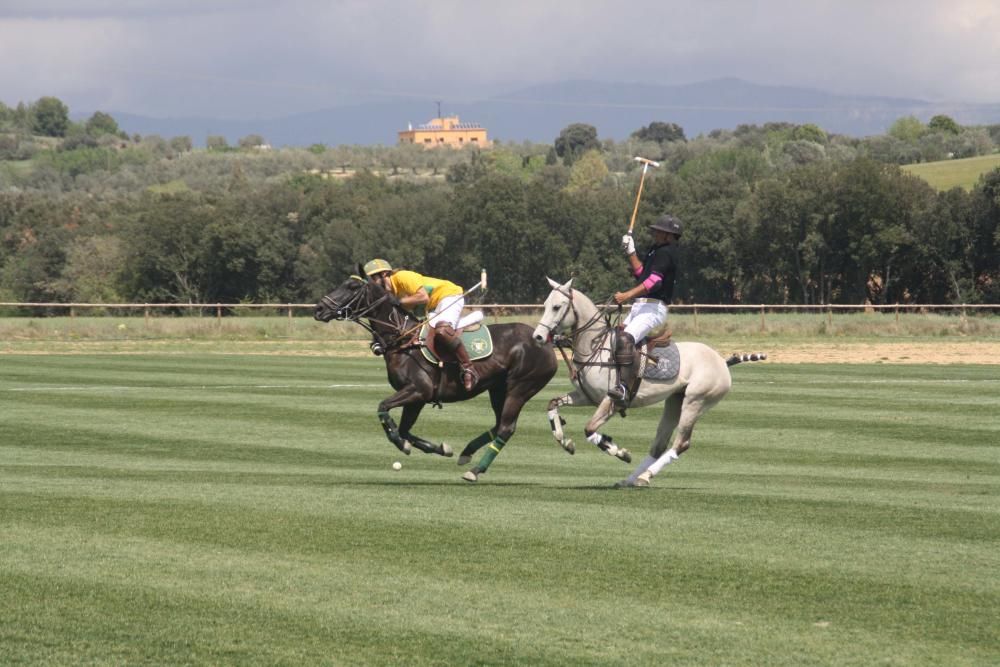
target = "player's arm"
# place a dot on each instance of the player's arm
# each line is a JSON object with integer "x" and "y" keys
{"x": 418, "y": 298}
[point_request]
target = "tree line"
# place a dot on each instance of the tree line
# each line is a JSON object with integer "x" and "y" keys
{"x": 778, "y": 213}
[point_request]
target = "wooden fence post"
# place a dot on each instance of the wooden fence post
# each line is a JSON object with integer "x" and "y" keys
{"x": 763, "y": 326}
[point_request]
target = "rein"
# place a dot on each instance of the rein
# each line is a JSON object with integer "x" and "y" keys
{"x": 578, "y": 329}
{"x": 399, "y": 335}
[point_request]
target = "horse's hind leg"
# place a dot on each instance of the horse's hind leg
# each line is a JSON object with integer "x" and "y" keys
{"x": 690, "y": 411}
{"x": 498, "y": 395}
{"x": 504, "y": 432}
{"x": 668, "y": 422}
{"x": 604, "y": 442}
{"x": 409, "y": 418}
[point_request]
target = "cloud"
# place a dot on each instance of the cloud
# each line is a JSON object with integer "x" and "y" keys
{"x": 252, "y": 58}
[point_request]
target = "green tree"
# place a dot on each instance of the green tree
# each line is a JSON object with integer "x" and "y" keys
{"x": 942, "y": 123}
{"x": 908, "y": 128}
{"x": 101, "y": 123}
{"x": 163, "y": 243}
{"x": 660, "y": 132}
{"x": 588, "y": 173}
{"x": 252, "y": 141}
{"x": 92, "y": 270}
{"x": 809, "y": 132}
{"x": 985, "y": 223}
{"x": 216, "y": 142}
{"x": 51, "y": 117}
{"x": 182, "y": 144}
{"x": 782, "y": 234}
{"x": 501, "y": 236}
{"x": 574, "y": 141}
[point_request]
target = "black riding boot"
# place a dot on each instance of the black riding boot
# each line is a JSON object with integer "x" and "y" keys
{"x": 625, "y": 358}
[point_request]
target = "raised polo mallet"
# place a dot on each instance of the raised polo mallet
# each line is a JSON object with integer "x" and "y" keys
{"x": 646, "y": 162}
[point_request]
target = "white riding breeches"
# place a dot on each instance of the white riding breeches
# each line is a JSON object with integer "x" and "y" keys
{"x": 646, "y": 315}
{"x": 449, "y": 310}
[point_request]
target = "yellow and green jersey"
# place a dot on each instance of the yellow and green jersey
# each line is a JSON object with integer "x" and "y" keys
{"x": 405, "y": 283}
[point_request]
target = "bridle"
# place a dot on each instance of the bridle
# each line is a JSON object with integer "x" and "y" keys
{"x": 578, "y": 329}
{"x": 576, "y": 364}
{"x": 558, "y": 323}
{"x": 361, "y": 306}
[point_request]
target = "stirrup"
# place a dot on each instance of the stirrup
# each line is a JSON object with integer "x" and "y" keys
{"x": 620, "y": 395}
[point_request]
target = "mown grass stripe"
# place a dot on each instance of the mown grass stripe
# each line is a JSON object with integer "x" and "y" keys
{"x": 824, "y": 515}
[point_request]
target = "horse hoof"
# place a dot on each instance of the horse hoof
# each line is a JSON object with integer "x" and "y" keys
{"x": 446, "y": 450}
{"x": 464, "y": 459}
{"x": 569, "y": 447}
{"x": 624, "y": 484}
{"x": 471, "y": 475}
{"x": 624, "y": 455}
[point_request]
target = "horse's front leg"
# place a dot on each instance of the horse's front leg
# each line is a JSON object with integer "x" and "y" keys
{"x": 406, "y": 396}
{"x": 604, "y": 442}
{"x": 409, "y": 418}
{"x": 556, "y": 422}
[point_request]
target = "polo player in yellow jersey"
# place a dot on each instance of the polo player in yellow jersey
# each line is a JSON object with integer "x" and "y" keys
{"x": 443, "y": 300}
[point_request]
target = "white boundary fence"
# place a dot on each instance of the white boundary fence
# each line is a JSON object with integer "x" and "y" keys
{"x": 499, "y": 310}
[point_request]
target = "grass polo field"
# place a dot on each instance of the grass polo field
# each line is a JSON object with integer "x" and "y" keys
{"x": 188, "y": 507}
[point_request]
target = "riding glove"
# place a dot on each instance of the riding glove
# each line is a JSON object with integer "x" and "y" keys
{"x": 628, "y": 245}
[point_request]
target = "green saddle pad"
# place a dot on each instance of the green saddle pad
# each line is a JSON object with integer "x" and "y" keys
{"x": 479, "y": 343}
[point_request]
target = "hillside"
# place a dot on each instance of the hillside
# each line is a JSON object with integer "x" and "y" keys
{"x": 538, "y": 113}
{"x": 948, "y": 174}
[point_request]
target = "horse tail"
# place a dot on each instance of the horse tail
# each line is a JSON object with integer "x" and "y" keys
{"x": 740, "y": 358}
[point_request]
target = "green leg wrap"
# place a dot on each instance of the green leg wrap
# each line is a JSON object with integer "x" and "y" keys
{"x": 477, "y": 443}
{"x": 491, "y": 453}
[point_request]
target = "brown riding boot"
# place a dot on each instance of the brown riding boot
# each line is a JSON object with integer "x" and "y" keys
{"x": 469, "y": 377}
{"x": 453, "y": 341}
{"x": 625, "y": 358}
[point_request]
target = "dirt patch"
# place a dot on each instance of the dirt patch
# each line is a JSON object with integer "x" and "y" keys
{"x": 887, "y": 353}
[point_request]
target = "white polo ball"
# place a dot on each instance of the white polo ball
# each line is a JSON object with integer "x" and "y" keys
{"x": 397, "y": 465}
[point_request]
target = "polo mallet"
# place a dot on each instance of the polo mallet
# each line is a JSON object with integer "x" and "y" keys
{"x": 645, "y": 165}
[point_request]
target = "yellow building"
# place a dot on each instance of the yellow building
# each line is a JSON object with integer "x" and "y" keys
{"x": 446, "y": 131}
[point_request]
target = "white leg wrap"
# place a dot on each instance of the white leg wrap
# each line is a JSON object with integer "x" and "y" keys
{"x": 594, "y": 439}
{"x": 646, "y": 462}
{"x": 669, "y": 457}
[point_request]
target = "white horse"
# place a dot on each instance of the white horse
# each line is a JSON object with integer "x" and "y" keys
{"x": 701, "y": 382}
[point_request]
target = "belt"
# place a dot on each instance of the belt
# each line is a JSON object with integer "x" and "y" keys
{"x": 649, "y": 300}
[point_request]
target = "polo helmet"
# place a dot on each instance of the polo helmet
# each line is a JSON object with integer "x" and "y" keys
{"x": 377, "y": 266}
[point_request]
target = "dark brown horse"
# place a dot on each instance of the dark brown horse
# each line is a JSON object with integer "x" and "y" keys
{"x": 516, "y": 370}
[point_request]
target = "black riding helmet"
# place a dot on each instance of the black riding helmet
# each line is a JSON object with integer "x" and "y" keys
{"x": 668, "y": 223}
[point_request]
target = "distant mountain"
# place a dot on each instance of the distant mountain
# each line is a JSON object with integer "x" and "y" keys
{"x": 538, "y": 113}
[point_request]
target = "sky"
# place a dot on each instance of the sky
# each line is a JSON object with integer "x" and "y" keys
{"x": 247, "y": 59}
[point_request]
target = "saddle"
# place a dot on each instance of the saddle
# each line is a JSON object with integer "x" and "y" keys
{"x": 477, "y": 340}
{"x": 660, "y": 362}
